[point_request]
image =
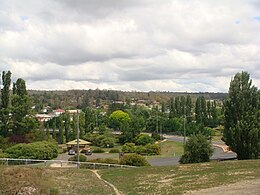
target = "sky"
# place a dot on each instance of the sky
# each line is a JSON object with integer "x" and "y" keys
{"x": 130, "y": 45}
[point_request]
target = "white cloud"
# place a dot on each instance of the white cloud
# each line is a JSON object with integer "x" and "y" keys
{"x": 130, "y": 45}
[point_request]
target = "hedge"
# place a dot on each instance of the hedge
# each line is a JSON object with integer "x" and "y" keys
{"x": 44, "y": 150}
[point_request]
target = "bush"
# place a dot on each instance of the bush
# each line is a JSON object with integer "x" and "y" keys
{"x": 153, "y": 149}
{"x": 140, "y": 150}
{"x": 107, "y": 142}
{"x": 82, "y": 158}
{"x": 128, "y": 148}
{"x": 114, "y": 150}
{"x": 134, "y": 160}
{"x": 143, "y": 139}
{"x": 98, "y": 150}
{"x": 156, "y": 136}
{"x": 36, "y": 150}
{"x": 2, "y": 155}
{"x": 197, "y": 149}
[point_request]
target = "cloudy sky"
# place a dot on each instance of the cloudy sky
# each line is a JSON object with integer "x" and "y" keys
{"x": 143, "y": 45}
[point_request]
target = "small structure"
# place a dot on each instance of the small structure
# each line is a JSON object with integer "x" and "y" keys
{"x": 82, "y": 144}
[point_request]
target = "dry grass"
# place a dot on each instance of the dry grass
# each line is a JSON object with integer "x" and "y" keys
{"x": 35, "y": 180}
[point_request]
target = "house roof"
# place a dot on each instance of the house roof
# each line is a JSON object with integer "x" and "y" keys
{"x": 81, "y": 142}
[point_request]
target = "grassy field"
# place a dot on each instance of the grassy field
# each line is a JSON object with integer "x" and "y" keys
{"x": 179, "y": 179}
{"x": 147, "y": 180}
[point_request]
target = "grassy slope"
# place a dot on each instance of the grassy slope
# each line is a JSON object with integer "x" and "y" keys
{"x": 148, "y": 180}
{"x": 51, "y": 181}
{"x": 178, "y": 179}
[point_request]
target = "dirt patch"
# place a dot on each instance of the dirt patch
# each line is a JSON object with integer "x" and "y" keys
{"x": 242, "y": 188}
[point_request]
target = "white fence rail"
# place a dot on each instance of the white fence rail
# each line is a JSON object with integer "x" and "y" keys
{"x": 59, "y": 163}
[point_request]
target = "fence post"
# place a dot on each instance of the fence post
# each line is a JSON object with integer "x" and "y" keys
{"x": 26, "y": 162}
{"x": 94, "y": 165}
{"x": 7, "y": 161}
{"x": 61, "y": 163}
{"x": 45, "y": 163}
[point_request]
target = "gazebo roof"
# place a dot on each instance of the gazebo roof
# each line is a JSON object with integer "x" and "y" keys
{"x": 81, "y": 142}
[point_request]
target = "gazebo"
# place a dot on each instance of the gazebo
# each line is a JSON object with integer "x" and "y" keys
{"x": 73, "y": 144}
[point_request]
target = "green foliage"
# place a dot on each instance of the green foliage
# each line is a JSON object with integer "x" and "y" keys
{"x": 37, "y": 135}
{"x": 107, "y": 142}
{"x": 4, "y": 143}
{"x": 196, "y": 150}
{"x": 143, "y": 139}
{"x": 134, "y": 160}
{"x": 114, "y": 150}
{"x": 128, "y": 148}
{"x": 98, "y": 150}
{"x": 37, "y": 150}
{"x": 153, "y": 149}
{"x": 140, "y": 150}
{"x": 104, "y": 141}
{"x": 5, "y": 103}
{"x": 118, "y": 118}
{"x": 242, "y": 116}
{"x": 156, "y": 136}
{"x": 82, "y": 158}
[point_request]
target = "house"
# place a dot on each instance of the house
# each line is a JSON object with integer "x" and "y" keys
{"x": 43, "y": 117}
{"x": 58, "y": 112}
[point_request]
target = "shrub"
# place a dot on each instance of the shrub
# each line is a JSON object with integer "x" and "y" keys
{"x": 156, "y": 136}
{"x": 128, "y": 148}
{"x": 98, "y": 150}
{"x": 197, "y": 149}
{"x": 140, "y": 150}
{"x": 134, "y": 160}
{"x": 107, "y": 142}
{"x": 82, "y": 158}
{"x": 114, "y": 150}
{"x": 153, "y": 149}
{"x": 2, "y": 155}
{"x": 143, "y": 139}
{"x": 36, "y": 150}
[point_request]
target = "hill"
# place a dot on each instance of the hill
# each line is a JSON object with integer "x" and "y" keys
{"x": 148, "y": 180}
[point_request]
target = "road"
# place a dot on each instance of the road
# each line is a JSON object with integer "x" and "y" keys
{"x": 219, "y": 153}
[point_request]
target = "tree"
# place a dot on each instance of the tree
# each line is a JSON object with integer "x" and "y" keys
{"x": 196, "y": 150}
{"x": 242, "y": 116}
{"x": 5, "y": 103}
{"x": 172, "y": 113}
{"x": 22, "y": 114}
{"x": 201, "y": 110}
{"x": 119, "y": 118}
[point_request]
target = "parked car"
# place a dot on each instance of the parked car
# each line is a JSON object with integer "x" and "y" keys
{"x": 71, "y": 152}
{"x": 88, "y": 152}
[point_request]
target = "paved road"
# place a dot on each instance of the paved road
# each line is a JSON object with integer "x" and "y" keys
{"x": 219, "y": 154}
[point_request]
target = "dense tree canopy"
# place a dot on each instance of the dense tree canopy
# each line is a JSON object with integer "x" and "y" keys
{"x": 242, "y": 116}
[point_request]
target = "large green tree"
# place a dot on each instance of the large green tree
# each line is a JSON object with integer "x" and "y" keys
{"x": 22, "y": 118}
{"x": 5, "y": 103}
{"x": 242, "y": 116}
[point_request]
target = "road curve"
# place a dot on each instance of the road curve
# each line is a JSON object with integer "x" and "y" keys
{"x": 220, "y": 153}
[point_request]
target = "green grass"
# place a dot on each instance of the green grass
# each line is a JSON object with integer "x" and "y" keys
{"x": 169, "y": 149}
{"x": 179, "y": 179}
